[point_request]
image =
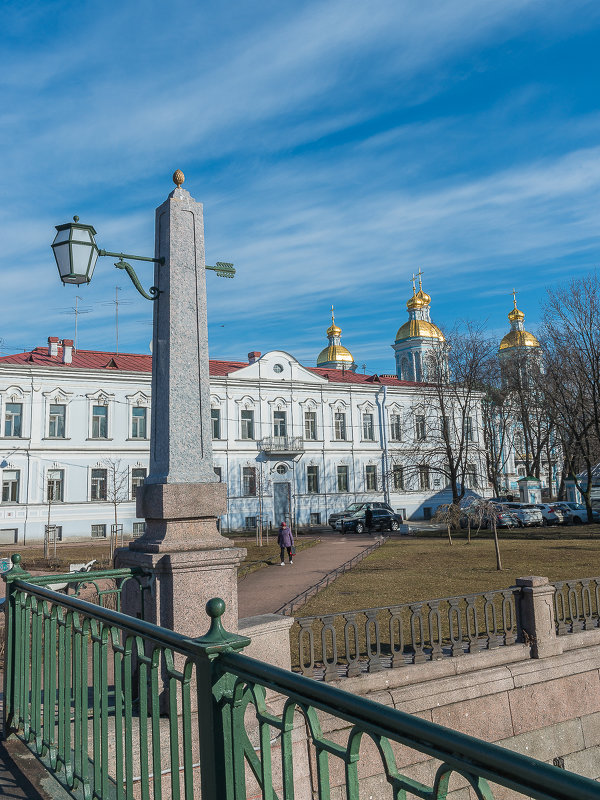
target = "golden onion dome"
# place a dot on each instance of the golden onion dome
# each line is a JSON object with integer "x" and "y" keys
{"x": 515, "y": 315}
{"x": 518, "y": 339}
{"x": 419, "y": 327}
{"x": 415, "y": 302}
{"x": 335, "y": 352}
{"x": 334, "y": 330}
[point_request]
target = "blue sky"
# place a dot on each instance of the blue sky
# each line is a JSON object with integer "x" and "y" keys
{"x": 337, "y": 147}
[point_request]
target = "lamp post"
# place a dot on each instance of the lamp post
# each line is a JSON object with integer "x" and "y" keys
{"x": 181, "y": 499}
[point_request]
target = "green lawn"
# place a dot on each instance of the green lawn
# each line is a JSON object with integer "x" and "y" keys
{"x": 410, "y": 569}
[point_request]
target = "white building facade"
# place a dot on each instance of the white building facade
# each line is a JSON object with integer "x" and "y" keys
{"x": 289, "y": 441}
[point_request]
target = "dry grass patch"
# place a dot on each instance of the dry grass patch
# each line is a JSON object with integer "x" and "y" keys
{"x": 407, "y": 570}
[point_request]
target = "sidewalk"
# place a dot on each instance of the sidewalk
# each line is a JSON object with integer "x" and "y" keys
{"x": 267, "y": 589}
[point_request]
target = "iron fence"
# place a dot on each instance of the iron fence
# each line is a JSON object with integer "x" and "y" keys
{"x": 330, "y": 646}
{"x": 155, "y": 714}
{"x": 576, "y": 605}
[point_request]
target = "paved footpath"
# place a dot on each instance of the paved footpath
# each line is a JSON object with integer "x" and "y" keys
{"x": 269, "y": 588}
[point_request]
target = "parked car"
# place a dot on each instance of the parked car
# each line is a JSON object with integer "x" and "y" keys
{"x": 504, "y": 519}
{"x": 578, "y": 512}
{"x": 383, "y": 520}
{"x": 526, "y": 513}
{"x": 552, "y": 514}
{"x": 354, "y": 507}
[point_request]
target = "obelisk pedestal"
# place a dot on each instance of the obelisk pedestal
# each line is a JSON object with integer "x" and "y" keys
{"x": 181, "y": 499}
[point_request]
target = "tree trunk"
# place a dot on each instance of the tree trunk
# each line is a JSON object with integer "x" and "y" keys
{"x": 449, "y": 534}
{"x": 497, "y": 547}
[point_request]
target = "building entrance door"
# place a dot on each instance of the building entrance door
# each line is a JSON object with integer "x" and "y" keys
{"x": 281, "y": 502}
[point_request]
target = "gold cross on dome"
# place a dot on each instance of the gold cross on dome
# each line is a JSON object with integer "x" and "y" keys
{"x": 420, "y": 276}
{"x": 332, "y": 317}
{"x": 514, "y": 294}
{"x": 414, "y": 278}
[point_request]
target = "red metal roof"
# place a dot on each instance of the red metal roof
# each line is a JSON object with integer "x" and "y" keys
{"x": 136, "y": 362}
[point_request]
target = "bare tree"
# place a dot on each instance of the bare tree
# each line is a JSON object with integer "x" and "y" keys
{"x": 567, "y": 394}
{"x": 490, "y": 510}
{"x": 474, "y": 513}
{"x": 524, "y": 403}
{"x": 449, "y": 415}
{"x": 448, "y": 514}
{"x": 117, "y": 492}
{"x": 498, "y": 426}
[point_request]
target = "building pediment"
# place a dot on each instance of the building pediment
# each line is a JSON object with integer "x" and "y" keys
{"x": 277, "y": 365}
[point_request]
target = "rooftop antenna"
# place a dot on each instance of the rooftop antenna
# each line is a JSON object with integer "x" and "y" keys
{"x": 77, "y": 309}
{"x": 116, "y": 303}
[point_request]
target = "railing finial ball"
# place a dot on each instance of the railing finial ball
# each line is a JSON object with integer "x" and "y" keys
{"x": 215, "y": 607}
{"x": 16, "y": 559}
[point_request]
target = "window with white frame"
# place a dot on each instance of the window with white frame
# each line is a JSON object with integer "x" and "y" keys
{"x": 139, "y": 528}
{"x": 98, "y": 484}
{"x": 138, "y": 476}
{"x": 342, "y": 478}
{"x": 13, "y": 420}
{"x": 99, "y": 422}
{"x": 98, "y": 531}
{"x": 56, "y": 421}
{"x": 310, "y": 425}
{"x": 445, "y": 426}
{"x": 247, "y": 420}
{"x": 371, "y": 478}
{"x": 215, "y": 421}
{"x": 339, "y": 425}
{"x": 419, "y": 427}
{"x": 368, "y": 429}
{"x": 398, "y": 477}
{"x": 10, "y": 485}
{"x": 250, "y": 523}
{"x": 315, "y": 517}
{"x": 424, "y": 477}
{"x": 396, "y": 427}
{"x": 470, "y": 430}
{"x": 279, "y": 423}
{"x": 312, "y": 480}
{"x": 139, "y": 428}
{"x": 471, "y": 476}
{"x": 249, "y": 481}
{"x": 219, "y": 473}
{"x": 55, "y": 486}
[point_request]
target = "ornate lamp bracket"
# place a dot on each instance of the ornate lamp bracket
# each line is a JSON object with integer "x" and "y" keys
{"x": 122, "y": 264}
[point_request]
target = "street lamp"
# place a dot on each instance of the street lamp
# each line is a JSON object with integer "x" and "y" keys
{"x": 76, "y": 253}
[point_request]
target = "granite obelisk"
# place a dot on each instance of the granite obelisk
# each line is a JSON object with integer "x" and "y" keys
{"x": 181, "y": 499}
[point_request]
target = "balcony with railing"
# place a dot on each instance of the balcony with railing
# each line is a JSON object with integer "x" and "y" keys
{"x": 282, "y": 445}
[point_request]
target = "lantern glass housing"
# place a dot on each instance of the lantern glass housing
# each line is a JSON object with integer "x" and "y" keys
{"x": 75, "y": 251}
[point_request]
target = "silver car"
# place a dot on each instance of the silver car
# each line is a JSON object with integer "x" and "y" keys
{"x": 553, "y": 515}
{"x": 526, "y": 513}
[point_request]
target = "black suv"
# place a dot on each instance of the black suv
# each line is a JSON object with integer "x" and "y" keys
{"x": 383, "y": 520}
{"x": 354, "y": 507}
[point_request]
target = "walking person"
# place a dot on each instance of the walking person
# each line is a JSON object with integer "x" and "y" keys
{"x": 285, "y": 540}
{"x": 368, "y": 519}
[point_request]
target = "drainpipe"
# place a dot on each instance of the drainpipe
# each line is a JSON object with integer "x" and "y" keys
{"x": 381, "y": 405}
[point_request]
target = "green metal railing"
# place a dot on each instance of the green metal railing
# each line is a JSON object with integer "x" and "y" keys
{"x": 117, "y": 707}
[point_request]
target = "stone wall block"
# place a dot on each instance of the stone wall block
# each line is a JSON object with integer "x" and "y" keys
{"x": 542, "y": 704}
